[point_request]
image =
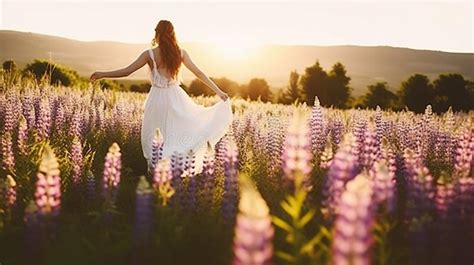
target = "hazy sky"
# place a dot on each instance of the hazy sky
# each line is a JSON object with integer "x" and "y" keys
{"x": 434, "y": 25}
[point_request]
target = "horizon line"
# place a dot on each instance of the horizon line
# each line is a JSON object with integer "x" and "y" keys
{"x": 259, "y": 44}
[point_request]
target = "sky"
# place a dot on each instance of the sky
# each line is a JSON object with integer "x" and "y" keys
{"x": 433, "y": 25}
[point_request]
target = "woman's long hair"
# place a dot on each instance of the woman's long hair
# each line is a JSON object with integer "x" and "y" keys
{"x": 169, "y": 48}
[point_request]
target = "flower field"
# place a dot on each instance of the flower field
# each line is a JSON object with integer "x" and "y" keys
{"x": 288, "y": 185}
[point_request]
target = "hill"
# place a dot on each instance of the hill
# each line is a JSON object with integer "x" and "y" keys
{"x": 365, "y": 65}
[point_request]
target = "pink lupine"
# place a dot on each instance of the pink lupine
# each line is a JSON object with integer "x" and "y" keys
{"x": 8, "y": 157}
{"x": 112, "y": 170}
{"x": 253, "y": 230}
{"x": 48, "y": 184}
{"x": 464, "y": 155}
{"x": 162, "y": 177}
{"x": 9, "y": 192}
{"x": 383, "y": 184}
{"x": 43, "y": 121}
{"x": 353, "y": 239}
{"x": 22, "y": 136}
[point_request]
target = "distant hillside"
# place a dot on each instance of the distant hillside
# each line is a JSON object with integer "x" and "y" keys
{"x": 365, "y": 65}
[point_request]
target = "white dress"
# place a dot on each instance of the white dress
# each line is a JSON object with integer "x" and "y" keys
{"x": 184, "y": 124}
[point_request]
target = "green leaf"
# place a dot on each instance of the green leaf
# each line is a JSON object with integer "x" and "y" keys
{"x": 306, "y": 218}
{"x": 290, "y": 210}
{"x": 285, "y": 256}
{"x": 282, "y": 224}
{"x": 306, "y": 248}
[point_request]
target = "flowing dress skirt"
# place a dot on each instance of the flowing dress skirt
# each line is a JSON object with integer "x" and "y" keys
{"x": 184, "y": 124}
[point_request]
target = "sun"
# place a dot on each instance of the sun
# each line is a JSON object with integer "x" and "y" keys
{"x": 236, "y": 49}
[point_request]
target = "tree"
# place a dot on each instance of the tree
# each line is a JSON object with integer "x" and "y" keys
{"x": 332, "y": 89}
{"x": 314, "y": 83}
{"x": 339, "y": 90}
{"x": 56, "y": 73}
{"x": 379, "y": 95}
{"x": 258, "y": 87}
{"x": 9, "y": 66}
{"x": 452, "y": 90}
{"x": 293, "y": 92}
{"x": 197, "y": 87}
{"x": 416, "y": 93}
{"x": 140, "y": 88}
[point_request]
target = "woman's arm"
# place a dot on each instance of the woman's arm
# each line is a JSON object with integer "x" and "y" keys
{"x": 202, "y": 76}
{"x": 137, "y": 64}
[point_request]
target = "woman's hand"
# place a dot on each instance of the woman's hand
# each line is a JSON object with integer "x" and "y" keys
{"x": 96, "y": 76}
{"x": 223, "y": 95}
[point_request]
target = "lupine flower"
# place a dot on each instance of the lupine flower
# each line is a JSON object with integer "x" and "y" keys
{"x": 48, "y": 184}
{"x": 177, "y": 169}
{"x": 76, "y": 160}
{"x": 22, "y": 136}
{"x": 370, "y": 150}
{"x": 144, "y": 206}
{"x": 297, "y": 149}
{"x": 112, "y": 170}
{"x": 208, "y": 177}
{"x": 353, "y": 227}
{"x": 230, "y": 197}
{"x": 156, "y": 148}
{"x": 162, "y": 178}
{"x": 43, "y": 121}
{"x": 326, "y": 156}
{"x": 253, "y": 230}
{"x": 443, "y": 197}
{"x": 317, "y": 127}
{"x": 342, "y": 169}
{"x": 464, "y": 155}
{"x": 9, "y": 191}
{"x": 383, "y": 184}
{"x": 190, "y": 173}
{"x": 274, "y": 143}
{"x": 8, "y": 163}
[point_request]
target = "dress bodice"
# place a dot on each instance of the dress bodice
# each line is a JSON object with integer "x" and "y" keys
{"x": 158, "y": 79}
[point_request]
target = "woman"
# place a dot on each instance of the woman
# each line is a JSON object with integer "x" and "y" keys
{"x": 183, "y": 124}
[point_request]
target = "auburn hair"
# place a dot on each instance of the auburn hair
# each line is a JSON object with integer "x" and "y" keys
{"x": 169, "y": 49}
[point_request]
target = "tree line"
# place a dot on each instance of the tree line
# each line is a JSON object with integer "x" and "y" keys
{"x": 332, "y": 87}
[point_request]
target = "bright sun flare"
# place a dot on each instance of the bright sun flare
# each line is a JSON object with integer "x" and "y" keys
{"x": 233, "y": 49}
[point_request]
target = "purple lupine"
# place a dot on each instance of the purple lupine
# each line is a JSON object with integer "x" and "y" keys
{"x": 464, "y": 155}
{"x": 76, "y": 160}
{"x": 177, "y": 169}
{"x": 112, "y": 172}
{"x": 91, "y": 186}
{"x": 75, "y": 128}
{"x": 444, "y": 196}
{"x": 326, "y": 156}
{"x": 43, "y": 121}
{"x": 370, "y": 149}
{"x": 162, "y": 177}
{"x": 342, "y": 169}
{"x": 358, "y": 130}
{"x": 207, "y": 178}
{"x": 10, "y": 113}
{"x": 144, "y": 206}
{"x": 48, "y": 184}
{"x": 253, "y": 230}
{"x": 22, "y": 136}
{"x": 383, "y": 184}
{"x": 8, "y": 158}
{"x": 297, "y": 153}
{"x": 379, "y": 125}
{"x": 9, "y": 192}
{"x": 59, "y": 118}
{"x": 336, "y": 129}
{"x": 190, "y": 173}
{"x": 34, "y": 240}
{"x": 231, "y": 188}
{"x": 274, "y": 142}
{"x": 317, "y": 127}
{"x": 352, "y": 238}
{"x": 156, "y": 148}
